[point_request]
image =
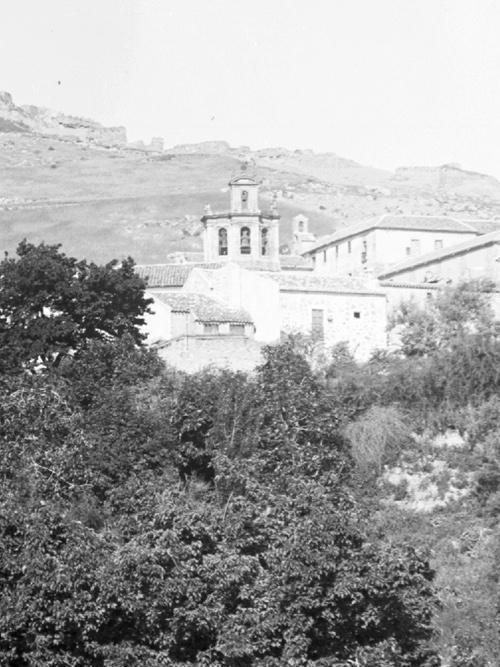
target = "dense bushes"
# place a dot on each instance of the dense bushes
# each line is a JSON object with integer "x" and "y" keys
{"x": 152, "y": 518}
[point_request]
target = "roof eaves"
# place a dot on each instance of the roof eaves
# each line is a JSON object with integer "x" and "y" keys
{"x": 451, "y": 251}
{"x": 340, "y": 235}
{"x": 333, "y": 290}
{"x": 406, "y": 284}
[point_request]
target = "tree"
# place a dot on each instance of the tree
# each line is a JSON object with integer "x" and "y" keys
{"x": 51, "y": 304}
{"x": 456, "y": 312}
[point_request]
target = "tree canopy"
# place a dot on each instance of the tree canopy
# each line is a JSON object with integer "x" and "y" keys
{"x": 455, "y": 312}
{"x": 51, "y": 304}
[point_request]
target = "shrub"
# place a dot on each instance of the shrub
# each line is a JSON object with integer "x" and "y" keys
{"x": 377, "y": 437}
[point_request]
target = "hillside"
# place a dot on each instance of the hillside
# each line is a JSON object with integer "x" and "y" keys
{"x": 71, "y": 180}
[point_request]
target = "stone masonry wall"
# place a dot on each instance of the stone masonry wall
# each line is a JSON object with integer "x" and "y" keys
{"x": 356, "y": 318}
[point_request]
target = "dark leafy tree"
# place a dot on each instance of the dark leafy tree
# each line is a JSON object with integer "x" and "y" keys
{"x": 51, "y": 304}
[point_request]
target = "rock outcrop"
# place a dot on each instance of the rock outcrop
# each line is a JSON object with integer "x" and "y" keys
{"x": 208, "y": 147}
{"x": 449, "y": 177}
{"x": 39, "y": 120}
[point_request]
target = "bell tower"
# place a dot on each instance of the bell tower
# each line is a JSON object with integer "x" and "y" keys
{"x": 244, "y": 234}
{"x": 244, "y": 194}
{"x": 302, "y": 238}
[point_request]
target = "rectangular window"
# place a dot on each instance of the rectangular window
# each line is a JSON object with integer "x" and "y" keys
{"x": 438, "y": 244}
{"x": 237, "y": 329}
{"x": 336, "y": 252}
{"x": 364, "y": 252}
{"x": 349, "y": 247}
{"x": 415, "y": 247}
{"x": 357, "y": 315}
{"x": 210, "y": 328}
{"x": 324, "y": 255}
{"x": 317, "y": 324}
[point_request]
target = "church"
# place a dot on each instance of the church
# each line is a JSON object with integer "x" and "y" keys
{"x": 220, "y": 308}
{"x": 243, "y": 293}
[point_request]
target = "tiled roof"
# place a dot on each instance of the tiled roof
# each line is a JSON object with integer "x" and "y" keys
{"x": 300, "y": 282}
{"x": 295, "y": 262}
{"x": 425, "y": 286}
{"x": 438, "y": 255}
{"x": 169, "y": 275}
{"x": 204, "y": 308}
{"x": 185, "y": 256}
{"x": 485, "y": 226}
{"x": 438, "y": 223}
{"x": 164, "y": 275}
{"x": 257, "y": 264}
{"x": 417, "y": 222}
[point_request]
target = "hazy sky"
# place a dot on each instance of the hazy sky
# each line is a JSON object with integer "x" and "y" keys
{"x": 384, "y": 82}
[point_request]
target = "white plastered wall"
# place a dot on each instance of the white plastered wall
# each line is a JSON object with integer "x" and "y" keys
{"x": 383, "y": 247}
{"x": 158, "y": 324}
{"x": 245, "y": 289}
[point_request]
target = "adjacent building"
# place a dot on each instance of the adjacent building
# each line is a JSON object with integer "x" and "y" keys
{"x": 419, "y": 278}
{"x": 377, "y": 243}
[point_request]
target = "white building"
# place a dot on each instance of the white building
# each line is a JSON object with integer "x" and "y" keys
{"x": 377, "y": 243}
{"x": 418, "y": 278}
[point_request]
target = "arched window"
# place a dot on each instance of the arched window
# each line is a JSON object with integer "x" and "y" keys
{"x": 245, "y": 241}
{"x": 244, "y": 200}
{"x": 222, "y": 241}
{"x": 263, "y": 241}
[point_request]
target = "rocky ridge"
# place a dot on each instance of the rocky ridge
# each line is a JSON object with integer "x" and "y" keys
{"x": 30, "y": 118}
{"x": 72, "y": 180}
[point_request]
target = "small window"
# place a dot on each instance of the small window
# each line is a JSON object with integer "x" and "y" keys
{"x": 336, "y": 252}
{"x": 349, "y": 248}
{"x": 245, "y": 241}
{"x": 222, "y": 241}
{"x": 408, "y": 251}
{"x": 364, "y": 252}
{"x": 237, "y": 329}
{"x": 244, "y": 200}
{"x": 438, "y": 244}
{"x": 210, "y": 328}
{"x": 357, "y": 315}
{"x": 301, "y": 226}
{"x": 263, "y": 241}
{"x": 324, "y": 256}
